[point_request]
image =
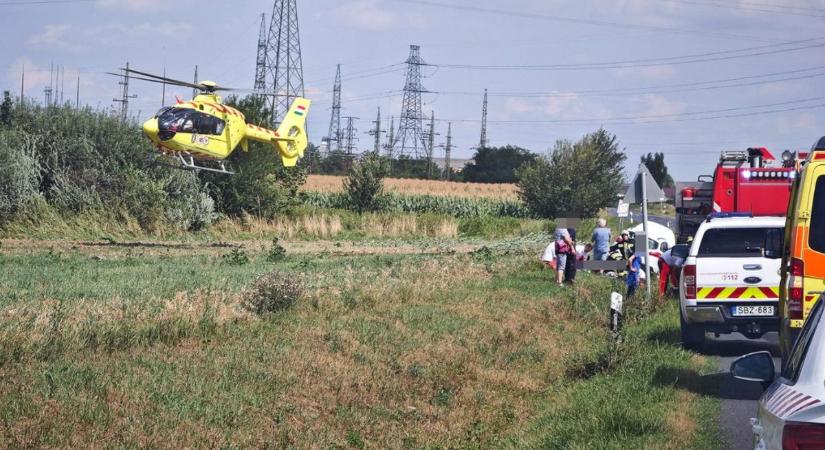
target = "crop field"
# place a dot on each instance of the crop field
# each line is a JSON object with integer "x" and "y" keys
{"x": 500, "y": 191}
{"x": 433, "y": 343}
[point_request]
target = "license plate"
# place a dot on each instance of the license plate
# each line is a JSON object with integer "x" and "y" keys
{"x": 753, "y": 310}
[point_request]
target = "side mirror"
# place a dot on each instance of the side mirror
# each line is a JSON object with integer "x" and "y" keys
{"x": 757, "y": 366}
{"x": 705, "y": 179}
{"x": 773, "y": 243}
{"x": 664, "y": 247}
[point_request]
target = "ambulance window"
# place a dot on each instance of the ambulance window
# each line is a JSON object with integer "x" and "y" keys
{"x": 733, "y": 242}
{"x": 794, "y": 365}
{"x": 816, "y": 238}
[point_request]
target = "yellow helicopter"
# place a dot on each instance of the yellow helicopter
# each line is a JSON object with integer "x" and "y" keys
{"x": 204, "y": 129}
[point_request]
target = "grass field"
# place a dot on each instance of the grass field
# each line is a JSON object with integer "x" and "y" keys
{"x": 331, "y": 183}
{"x": 440, "y": 344}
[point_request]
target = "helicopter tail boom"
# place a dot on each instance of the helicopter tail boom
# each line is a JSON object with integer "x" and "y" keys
{"x": 290, "y": 139}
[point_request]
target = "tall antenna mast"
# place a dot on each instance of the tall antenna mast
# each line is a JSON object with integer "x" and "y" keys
{"x": 283, "y": 58}
{"x": 483, "y": 141}
{"x": 260, "y": 60}
{"x": 410, "y": 139}
{"x": 334, "y": 133}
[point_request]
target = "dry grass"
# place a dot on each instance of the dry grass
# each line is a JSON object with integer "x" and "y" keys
{"x": 331, "y": 183}
{"x": 330, "y": 226}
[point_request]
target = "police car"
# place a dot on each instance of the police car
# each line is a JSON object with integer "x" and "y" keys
{"x": 791, "y": 414}
{"x": 730, "y": 281}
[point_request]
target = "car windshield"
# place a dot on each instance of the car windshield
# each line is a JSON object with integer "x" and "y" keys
{"x": 734, "y": 242}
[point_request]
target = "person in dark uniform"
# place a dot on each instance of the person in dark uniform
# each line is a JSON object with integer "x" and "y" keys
{"x": 570, "y": 266}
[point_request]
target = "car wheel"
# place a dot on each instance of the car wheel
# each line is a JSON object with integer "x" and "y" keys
{"x": 693, "y": 336}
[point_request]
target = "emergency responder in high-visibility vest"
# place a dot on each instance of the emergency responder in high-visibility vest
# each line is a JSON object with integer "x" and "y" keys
{"x": 626, "y": 246}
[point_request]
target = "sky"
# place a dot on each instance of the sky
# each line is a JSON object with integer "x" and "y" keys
{"x": 689, "y": 78}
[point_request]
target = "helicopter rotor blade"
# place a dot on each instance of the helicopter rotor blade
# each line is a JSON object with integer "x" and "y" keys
{"x": 166, "y": 80}
{"x": 151, "y": 80}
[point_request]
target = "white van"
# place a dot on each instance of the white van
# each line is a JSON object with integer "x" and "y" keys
{"x": 728, "y": 284}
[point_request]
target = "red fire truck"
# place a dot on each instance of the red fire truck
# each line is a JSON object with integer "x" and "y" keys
{"x": 750, "y": 181}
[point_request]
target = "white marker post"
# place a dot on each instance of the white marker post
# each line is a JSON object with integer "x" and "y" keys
{"x": 644, "y": 227}
{"x": 615, "y": 323}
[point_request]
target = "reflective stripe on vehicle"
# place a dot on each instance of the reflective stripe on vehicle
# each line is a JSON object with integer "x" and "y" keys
{"x": 744, "y": 292}
{"x": 785, "y": 401}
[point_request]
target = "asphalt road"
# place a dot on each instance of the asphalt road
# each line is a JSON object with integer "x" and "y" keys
{"x": 637, "y": 218}
{"x": 739, "y": 398}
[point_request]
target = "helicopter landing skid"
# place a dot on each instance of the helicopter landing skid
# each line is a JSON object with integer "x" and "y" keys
{"x": 187, "y": 162}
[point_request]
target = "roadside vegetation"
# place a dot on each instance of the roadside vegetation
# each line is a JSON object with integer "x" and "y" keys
{"x": 232, "y": 347}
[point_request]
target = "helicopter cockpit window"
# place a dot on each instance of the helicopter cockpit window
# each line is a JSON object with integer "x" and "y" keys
{"x": 162, "y": 110}
{"x": 184, "y": 120}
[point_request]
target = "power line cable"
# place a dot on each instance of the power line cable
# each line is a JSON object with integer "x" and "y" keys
{"x": 676, "y": 116}
{"x": 41, "y": 2}
{"x": 565, "y": 19}
{"x": 772, "y": 5}
{"x": 630, "y": 91}
{"x": 744, "y": 7}
{"x": 653, "y": 62}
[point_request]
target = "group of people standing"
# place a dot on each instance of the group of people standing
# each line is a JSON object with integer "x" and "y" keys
{"x": 562, "y": 255}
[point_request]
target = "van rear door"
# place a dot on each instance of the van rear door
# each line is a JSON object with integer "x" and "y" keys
{"x": 731, "y": 266}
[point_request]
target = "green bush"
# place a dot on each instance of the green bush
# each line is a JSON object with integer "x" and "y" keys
{"x": 276, "y": 253}
{"x": 364, "y": 184}
{"x": 236, "y": 257}
{"x": 271, "y": 293}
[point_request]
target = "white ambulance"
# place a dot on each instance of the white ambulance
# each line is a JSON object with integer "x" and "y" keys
{"x": 730, "y": 278}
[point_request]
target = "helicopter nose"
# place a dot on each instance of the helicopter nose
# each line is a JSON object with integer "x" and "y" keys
{"x": 150, "y": 129}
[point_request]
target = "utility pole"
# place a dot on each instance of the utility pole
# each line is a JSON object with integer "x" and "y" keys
{"x": 390, "y": 139}
{"x": 62, "y": 83}
{"x": 334, "y": 133}
{"x": 47, "y": 91}
{"x": 163, "y": 90}
{"x": 430, "y": 144}
{"x": 260, "y": 60}
{"x": 77, "y": 94}
{"x": 124, "y": 100}
{"x": 283, "y": 58}
{"x": 410, "y": 130}
{"x": 195, "y": 91}
{"x": 447, "y": 169}
{"x": 483, "y": 141}
{"x": 376, "y": 133}
{"x": 23, "y": 85}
